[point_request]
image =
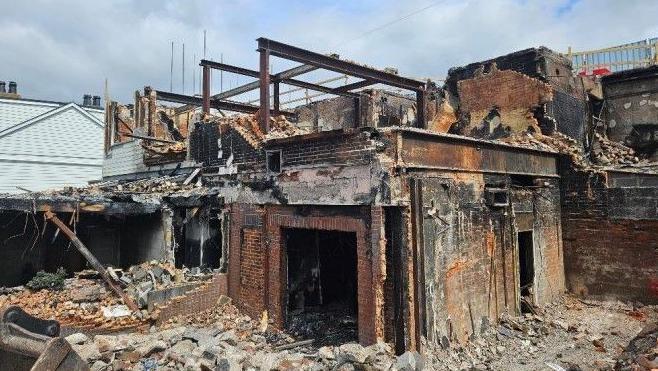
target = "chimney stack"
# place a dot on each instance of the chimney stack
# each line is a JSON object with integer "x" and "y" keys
{"x": 3, "y": 89}
{"x": 86, "y": 100}
{"x": 96, "y": 101}
{"x": 13, "y": 87}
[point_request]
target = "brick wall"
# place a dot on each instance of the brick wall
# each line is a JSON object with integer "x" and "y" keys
{"x": 194, "y": 301}
{"x": 608, "y": 254}
{"x": 257, "y": 248}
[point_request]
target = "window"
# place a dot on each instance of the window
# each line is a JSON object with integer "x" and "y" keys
{"x": 273, "y": 159}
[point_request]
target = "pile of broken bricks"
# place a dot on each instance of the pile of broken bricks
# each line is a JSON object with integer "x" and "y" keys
{"x": 224, "y": 339}
{"x": 86, "y": 303}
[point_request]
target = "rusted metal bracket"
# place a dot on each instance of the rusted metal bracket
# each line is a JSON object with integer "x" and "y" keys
{"x": 50, "y": 216}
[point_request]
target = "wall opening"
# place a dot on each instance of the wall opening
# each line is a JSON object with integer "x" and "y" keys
{"x": 393, "y": 285}
{"x": 526, "y": 270}
{"x": 322, "y": 285}
{"x": 273, "y": 160}
{"x": 199, "y": 239}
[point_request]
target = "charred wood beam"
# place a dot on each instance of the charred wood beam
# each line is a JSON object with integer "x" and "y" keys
{"x": 274, "y": 79}
{"x": 50, "y": 216}
{"x": 215, "y": 103}
{"x": 337, "y": 65}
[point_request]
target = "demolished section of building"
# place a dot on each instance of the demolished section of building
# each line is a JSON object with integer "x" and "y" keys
{"x": 413, "y": 218}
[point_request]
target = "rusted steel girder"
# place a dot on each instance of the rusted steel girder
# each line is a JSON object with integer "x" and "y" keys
{"x": 50, "y": 216}
{"x": 337, "y": 65}
{"x": 264, "y": 79}
{"x": 214, "y": 103}
{"x": 206, "y": 90}
{"x": 275, "y": 80}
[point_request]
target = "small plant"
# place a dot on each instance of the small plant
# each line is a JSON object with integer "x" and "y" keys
{"x": 45, "y": 280}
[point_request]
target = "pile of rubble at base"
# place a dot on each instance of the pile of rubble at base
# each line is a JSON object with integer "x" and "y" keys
{"x": 82, "y": 303}
{"x": 85, "y": 302}
{"x": 224, "y": 339}
{"x": 642, "y": 352}
{"x": 570, "y": 335}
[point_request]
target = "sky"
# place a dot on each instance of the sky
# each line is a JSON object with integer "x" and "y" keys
{"x": 61, "y": 49}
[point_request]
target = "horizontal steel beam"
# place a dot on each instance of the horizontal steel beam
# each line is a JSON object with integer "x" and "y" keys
{"x": 214, "y": 103}
{"x": 337, "y": 65}
{"x": 356, "y": 85}
{"x": 296, "y": 71}
{"x": 273, "y": 78}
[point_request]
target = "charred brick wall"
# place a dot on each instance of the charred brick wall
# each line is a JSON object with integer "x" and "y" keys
{"x": 568, "y": 107}
{"x": 216, "y": 145}
{"x": 257, "y": 274}
{"x": 610, "y": 239}
{"x": 336, "y": 148}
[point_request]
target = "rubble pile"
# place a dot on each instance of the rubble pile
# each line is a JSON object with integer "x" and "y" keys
{"x": 154, "y": 275}
{"x": 82, "y": 303}
{"x": 642, "y": 351}
{"x": 249, "y": 128}
{"x": 607, "y": 152}
{"x": 570, "y": 335}
{"x": 224, "y": 339}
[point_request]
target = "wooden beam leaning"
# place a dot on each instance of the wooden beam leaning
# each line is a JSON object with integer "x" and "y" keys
{"x": 130, "y": 303}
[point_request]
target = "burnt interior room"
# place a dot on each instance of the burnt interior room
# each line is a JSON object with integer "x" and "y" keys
{"x": 526, "y": 269}
{"x": 32, "y": 244}
{"x": 322, "y": 284}
{"x": 198, "y": 237}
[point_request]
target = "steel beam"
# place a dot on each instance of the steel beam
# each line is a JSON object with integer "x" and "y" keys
{"x": 276, "y": 96}
{"x": 275, "y": 79}
{"x": 264, "y": 79}
{"x": 355, "y": 85}
{"x": 296, "y": 71}
{"x": 214, "y": 103}
{"x": 206, "y": 90}
{"x": 421, "y": 109}
{"x": 337, "y": 65}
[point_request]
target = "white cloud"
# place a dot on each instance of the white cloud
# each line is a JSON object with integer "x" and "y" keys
{"x": 60, "y": 50}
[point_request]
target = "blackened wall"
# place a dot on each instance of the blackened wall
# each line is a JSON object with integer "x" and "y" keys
{"x": 610, "y": 239}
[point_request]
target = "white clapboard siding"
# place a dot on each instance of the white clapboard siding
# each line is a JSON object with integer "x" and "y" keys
{"x": 63, "y": 147}
{"x": 14, "y": 111}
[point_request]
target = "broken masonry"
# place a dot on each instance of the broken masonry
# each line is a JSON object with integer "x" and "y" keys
{"x": 407, "y": 218}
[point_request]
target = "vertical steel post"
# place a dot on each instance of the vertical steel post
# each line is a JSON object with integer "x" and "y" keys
{"x": 421, "y": 105}
{"x": 275, "y": 94}
{"x": 205, "y": 92}
{"x": 264, "y": 90}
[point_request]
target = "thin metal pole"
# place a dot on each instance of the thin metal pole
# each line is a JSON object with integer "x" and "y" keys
{"x": 183, "y": 68}
{"x": 171, "y": 69}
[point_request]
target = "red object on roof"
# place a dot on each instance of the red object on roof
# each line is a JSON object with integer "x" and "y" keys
{"x": 595, "y": 72}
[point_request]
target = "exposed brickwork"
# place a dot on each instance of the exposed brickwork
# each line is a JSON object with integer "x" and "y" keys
{"x": 608, "y": 253}
{"x": 194, "y": 301}
{"x": 265, "y": 252}
{"x": 252, "y": 271}
{"x": 503, "y": 89}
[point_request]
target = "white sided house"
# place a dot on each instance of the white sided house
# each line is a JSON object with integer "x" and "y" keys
{"x": 47, "y": 145}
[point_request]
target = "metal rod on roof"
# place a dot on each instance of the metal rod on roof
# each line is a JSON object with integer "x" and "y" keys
{"x": 171, "y": 69}
{"x": 183, "y": 68}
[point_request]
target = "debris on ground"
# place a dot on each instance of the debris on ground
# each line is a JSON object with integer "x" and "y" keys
{"x": 642, "y": 352}
{"x": 570, "y": 334}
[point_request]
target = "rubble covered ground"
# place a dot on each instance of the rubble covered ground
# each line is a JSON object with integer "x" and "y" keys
{"x": 569, "y": 334}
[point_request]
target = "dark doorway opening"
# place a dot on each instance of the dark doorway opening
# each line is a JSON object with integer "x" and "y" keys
{"x": 199, "y": 239}
{"x": 526, "y": 270}
{"x": 322, "y": 285}
{"x": 393, "y": 285}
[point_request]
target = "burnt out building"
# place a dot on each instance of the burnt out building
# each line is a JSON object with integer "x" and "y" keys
{"x": 407, "y": 217}
{"x": 532, "y": 88}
